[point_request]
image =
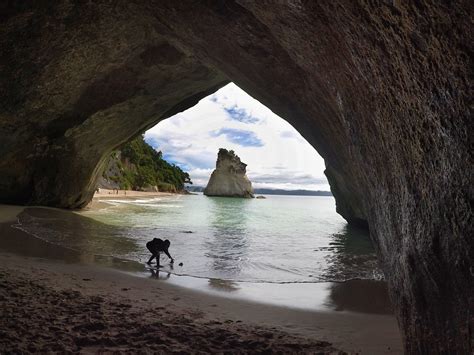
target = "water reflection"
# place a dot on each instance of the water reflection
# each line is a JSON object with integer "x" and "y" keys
{"x": 15, "y": 240}
{"x": 367, "y": 296}
{"x": 159, "y": 274}
{"x": 223, "y": 285}
{"x": 74, "y": 231}
{"x": 231, "y": 239}
{"x": 364, "y": 296}
{"x": 228, "y": 246}
{"x": 351, "y": 255}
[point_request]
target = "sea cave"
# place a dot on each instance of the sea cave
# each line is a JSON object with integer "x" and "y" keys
{"x": 381, "y": 90}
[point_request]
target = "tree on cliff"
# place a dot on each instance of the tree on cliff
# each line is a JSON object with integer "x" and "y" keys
{"x": 139, "y": 166}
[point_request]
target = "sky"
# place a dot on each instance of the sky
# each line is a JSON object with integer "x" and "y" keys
{"x": 277, "y": 156}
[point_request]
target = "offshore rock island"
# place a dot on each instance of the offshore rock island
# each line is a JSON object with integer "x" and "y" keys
{"x": 229, "y": 179}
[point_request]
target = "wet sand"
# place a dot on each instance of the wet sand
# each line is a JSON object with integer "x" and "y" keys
{"x": 8, "y": 213}
{"x": 67, "y": 308}
{"x": 87, "y": 308}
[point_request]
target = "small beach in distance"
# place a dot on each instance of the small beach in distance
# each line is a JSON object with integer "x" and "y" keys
{"x": 242, "y": 266}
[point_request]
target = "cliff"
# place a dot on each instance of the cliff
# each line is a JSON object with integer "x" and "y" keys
{"x": 229, "y": 179}
{"x": 137, "y": 166}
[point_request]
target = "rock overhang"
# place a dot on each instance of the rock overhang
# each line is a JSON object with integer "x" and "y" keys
{"x": 380, "y": 90}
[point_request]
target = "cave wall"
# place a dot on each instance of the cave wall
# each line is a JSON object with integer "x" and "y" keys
{"x": 381, "y": 89}
{"x": 77, "y": 82}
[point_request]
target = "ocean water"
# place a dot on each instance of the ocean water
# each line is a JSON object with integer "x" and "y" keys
{"x": 294, "y": 251}
{"x": 277, "y": 239}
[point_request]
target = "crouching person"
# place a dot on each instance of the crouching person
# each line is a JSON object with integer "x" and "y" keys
{"x": 156, "y": 246}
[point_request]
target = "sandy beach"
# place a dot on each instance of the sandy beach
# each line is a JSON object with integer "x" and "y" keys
{"x": 111, "y": 194}
{"x": 67, "y": 308}
{"x": 105, "y": 194}
{"x": 57, "y": 301}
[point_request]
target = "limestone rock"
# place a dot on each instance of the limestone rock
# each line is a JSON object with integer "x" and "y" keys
{"x": 229, "y": 179}
{"x": 348, "y": 203}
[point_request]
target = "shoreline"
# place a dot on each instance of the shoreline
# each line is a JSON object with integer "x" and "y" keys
{"x": 111, "y": 194}
{"x": 351, "y": 332}
{"x": 99, "y": 200}
{"x": 51, "y": 306}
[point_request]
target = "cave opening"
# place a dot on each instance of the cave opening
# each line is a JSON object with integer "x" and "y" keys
{"x": 276, "y": 154}
{"x": 293, "y": 236}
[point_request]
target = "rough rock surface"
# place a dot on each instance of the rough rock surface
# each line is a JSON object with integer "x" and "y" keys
{"x": 383, "y": 91}
{"x": 78, "y": 82}
{"x": 112, "y": 169}
{"x": 229, "y": 178}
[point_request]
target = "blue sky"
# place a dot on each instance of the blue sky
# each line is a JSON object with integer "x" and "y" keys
{"x": 240, "y": 137}
{"x": 277, "y": 156}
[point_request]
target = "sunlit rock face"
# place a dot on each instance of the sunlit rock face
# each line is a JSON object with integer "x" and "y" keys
{"x": 381, "y": 89}
{"x": 229, "y": 179}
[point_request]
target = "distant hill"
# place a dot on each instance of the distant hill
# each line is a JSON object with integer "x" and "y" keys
{"x": 292, "y": 192}
{"x": 194, "y": 188}
{"x": 273, "y": 191}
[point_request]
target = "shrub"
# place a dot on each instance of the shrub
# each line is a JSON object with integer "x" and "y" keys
{"x": 141, "y": 165}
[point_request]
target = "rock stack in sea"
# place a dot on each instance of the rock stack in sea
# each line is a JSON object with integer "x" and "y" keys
{"x": 229, "y": 179}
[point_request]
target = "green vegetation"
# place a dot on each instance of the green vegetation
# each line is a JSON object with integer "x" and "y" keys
{"x": 138, "y": 166}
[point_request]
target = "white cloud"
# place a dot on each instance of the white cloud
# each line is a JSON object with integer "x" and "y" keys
{"x": 284, "y": 159}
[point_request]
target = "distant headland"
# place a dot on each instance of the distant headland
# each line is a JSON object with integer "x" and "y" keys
{"x": 274, "y": 191}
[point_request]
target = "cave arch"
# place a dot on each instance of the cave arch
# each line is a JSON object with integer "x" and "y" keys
{"x": 380, "y": 90}
{"x": 276, "y": 155}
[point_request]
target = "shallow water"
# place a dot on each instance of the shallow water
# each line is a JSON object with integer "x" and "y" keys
{"x": 283, "y": 250}
{"x": 280, "y": 239}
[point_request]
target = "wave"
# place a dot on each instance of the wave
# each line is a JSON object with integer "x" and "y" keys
{"x": 144, "y": 203}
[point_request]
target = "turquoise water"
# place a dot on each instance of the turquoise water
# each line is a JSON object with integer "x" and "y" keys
{"x": 280, "y": 239}
{"x": 292, "y": 251}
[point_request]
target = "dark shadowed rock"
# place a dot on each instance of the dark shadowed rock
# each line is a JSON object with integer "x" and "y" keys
{"x": 381, "y": 89}
{"x": 86, "y": 80}
{"x": 348, "y": 203}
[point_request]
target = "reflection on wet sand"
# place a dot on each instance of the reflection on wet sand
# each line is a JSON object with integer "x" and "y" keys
{"x": 364, "y": 296}
{"x": 17, "y": 241}
{"x": 159, "y": 274}
{"x": 351, "y": 256}
{"x": 66, "y": 228}
{"x": 223, "y": 285}
{"x": 229, "y": 246}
